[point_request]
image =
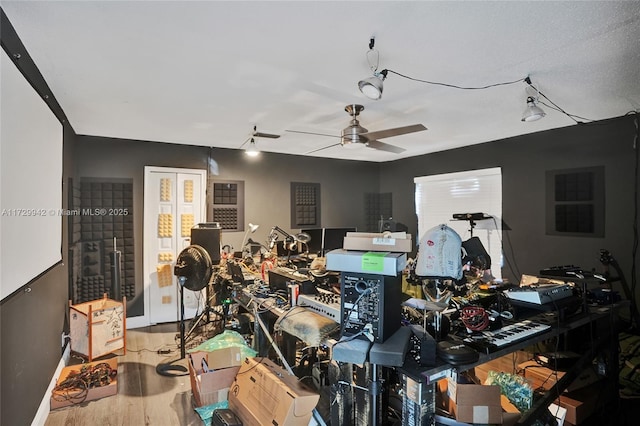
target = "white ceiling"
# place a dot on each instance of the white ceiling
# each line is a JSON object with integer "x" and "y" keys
{"x": 205, "y": 72}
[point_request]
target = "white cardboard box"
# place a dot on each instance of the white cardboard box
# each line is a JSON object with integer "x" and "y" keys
{"x": 368, "y": 241}
{"x": 368, "y": 262}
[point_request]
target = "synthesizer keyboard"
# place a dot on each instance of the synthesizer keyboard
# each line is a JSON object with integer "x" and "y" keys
{"x": 540, "y": 294}
{"x": 324, "y": 303}
{"x": 491, "y": 341}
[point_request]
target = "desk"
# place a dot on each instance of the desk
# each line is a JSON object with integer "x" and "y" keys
{"x": 295, "y": 322}
{"x": 419, "y": 382}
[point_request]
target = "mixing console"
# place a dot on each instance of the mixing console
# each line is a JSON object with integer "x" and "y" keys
{"x": 324, "y": 303}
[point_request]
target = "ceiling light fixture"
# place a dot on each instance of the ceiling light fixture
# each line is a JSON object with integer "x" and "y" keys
{"x": 252, "y": 150}
{"x": 372, "y": 87}
{"x": 533, "y": 112}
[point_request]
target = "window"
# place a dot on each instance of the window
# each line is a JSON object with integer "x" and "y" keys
{"x": 439, "y": 197}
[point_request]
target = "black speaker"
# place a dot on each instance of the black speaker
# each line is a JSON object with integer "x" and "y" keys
{"x": 208, "y": 236}
{"x": 370, "y": 300}
{"x": 391, "y": 225}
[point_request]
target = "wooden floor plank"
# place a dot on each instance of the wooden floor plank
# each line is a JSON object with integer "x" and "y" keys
{"x": 144, "y": 397}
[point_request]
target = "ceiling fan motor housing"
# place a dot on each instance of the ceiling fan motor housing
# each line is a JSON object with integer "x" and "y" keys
{"x": 354, "y": 134}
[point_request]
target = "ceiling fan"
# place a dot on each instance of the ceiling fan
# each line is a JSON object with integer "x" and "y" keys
{"x": 355, "y": 135}
{"x": 257, "y": 134}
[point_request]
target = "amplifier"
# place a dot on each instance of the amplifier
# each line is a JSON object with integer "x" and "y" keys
{"x": 279, "y": 278}
{"x": 224, "y": 417}
{"x": 208, "y": 236}
{"x": 419, "y": 402}
{"x": 372, "y": 301}
{"x": 324, "y": 303}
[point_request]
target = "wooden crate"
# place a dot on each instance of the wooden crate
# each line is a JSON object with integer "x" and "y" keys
{"x": 98, "y": 327}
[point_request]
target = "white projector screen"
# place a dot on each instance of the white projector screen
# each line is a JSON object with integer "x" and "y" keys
{"x": 30, "y": 182}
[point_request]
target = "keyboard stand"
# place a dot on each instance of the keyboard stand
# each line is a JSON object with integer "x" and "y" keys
{"x": 606, "y": 343}
{"x": 530, "y": 416}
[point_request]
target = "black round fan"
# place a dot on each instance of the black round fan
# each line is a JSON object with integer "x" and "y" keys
{"x": 193, "y": 268}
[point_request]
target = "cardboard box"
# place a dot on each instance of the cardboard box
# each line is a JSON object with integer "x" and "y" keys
{"x": 476, "y": 403}
{"x": 581, "y": 403}
{"x": 542, "y": 377}
{"x": 369, "y": 262}
{"x": 367, "y": 241}
{"x": 64, "y": 396}
{"x": 212, "y": 373}
{"x": 265, "y": 394}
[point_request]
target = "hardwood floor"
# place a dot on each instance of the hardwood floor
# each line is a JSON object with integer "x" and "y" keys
{"x": 144, "y": 397}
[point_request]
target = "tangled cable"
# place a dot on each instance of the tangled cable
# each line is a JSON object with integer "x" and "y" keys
{"x": 75, "y": 387}
{"x": 475, "y": 318}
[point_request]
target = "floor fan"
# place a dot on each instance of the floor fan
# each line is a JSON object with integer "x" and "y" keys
{"x": 193, "y": 269}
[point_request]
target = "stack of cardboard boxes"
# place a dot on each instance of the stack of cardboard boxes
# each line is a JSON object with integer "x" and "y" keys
{"x": 259, "y": 391}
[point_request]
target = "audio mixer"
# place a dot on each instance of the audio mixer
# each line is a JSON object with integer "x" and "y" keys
{"x": 325, "y": 303}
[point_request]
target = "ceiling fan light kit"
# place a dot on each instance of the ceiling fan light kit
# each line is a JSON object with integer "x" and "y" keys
{"x": 356, "y": 136}
{"x": 252, "y": 149}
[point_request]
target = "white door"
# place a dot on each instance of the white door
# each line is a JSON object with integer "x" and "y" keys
{"x": 174, "y": 201}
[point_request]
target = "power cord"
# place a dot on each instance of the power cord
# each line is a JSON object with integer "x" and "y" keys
{"x": 347, "y": 318}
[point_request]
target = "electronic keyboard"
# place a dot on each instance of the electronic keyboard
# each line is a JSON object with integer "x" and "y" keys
{"x": 490, "y": 341}
{"x": 540, "y": 294}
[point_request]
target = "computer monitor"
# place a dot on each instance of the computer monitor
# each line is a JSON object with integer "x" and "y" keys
{"x": 314, "y": 246}
{"x": 334, "y": 238}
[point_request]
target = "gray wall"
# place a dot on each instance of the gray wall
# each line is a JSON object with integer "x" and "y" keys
{"x": 524, "y": 161}
{"x": 266, "y": 179}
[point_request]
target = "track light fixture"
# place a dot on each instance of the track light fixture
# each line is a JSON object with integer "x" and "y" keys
{"x": 252, "y": 149}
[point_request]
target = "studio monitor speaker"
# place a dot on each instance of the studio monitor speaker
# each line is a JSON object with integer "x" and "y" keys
{"x": 391, "y": 225}
{"x": 208, "y": 236}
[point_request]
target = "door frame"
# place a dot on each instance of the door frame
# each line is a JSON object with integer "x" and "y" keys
{"x": 149, "y": 226}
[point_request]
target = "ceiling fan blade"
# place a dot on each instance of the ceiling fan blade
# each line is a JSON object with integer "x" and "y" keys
{"x": 257, "y": 134}
{"x": 385, "y": 147}
{"x": 380, "y": 134}
{"x": 265, "y": 135}
{"x": 312, "y": 133}
{"x": 320, "y": 149}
